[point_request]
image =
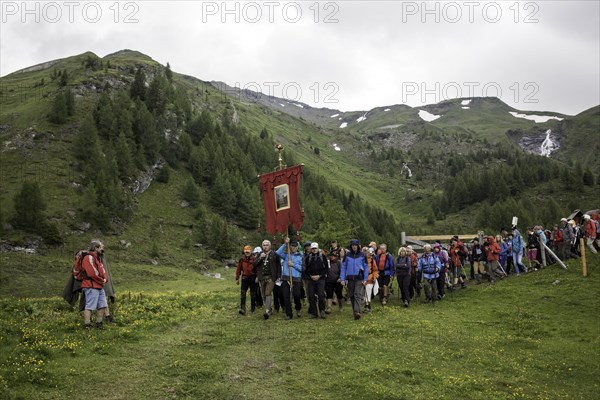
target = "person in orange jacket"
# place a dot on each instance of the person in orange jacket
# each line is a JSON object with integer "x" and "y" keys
{"x": 373, "y": 276}
{"x": 247, "y": 271}
{"x": 92, "y": 285}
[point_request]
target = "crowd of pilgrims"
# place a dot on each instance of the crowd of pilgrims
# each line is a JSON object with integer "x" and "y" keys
{"x": 279, "y": 279}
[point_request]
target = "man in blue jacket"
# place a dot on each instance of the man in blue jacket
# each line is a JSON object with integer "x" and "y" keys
{"x": 430, "y": 266}
{"x": 355, "y": 274}
{"x": 292, "y": 263}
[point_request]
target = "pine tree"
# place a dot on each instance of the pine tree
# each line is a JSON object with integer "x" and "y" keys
{"x": 191, "y": 193}
{"x": 59, "y": 112}
{"x": 169, "y": 73}
{"x": 123, "y": 157}
{"x": 156, "y": 97}
{"x": 29, "y": 207}
{"x": 222, "y": 196}
{"x": 138, "y": 87}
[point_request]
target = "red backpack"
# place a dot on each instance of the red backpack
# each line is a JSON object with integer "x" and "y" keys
{"x": 78, "y": 271}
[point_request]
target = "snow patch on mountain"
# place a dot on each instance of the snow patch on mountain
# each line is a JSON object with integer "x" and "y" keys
{"x": 334, "y": 115}
{"x": 535, "y": 118}
{"x": 465, "y": 102}
{"x": 343, "y": 125}
{"x": 387, "y": 109}
{"x": 426, "y": 116}
{"x": 336, "y": 147}
{"x": 465, "y": 108}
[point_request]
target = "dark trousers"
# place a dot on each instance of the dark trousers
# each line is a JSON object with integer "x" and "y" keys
{"x": 278, "y": 298}
{"x": 383, "y": 280}
{"x": 284, "y": 289}
{"x": 356, "y": 292}
{"x": 333, "y": 287}
{"x": 441, "y": 283}
{"x": 318, "y": 288}
{"x": 404, "y": 285}
{"x": 430, "y": 286}
{"x": 415, "y": 286}
{"x": 248, "y": 283}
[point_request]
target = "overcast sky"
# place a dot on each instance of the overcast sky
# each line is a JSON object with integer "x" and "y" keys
{"x": 348, "y": 55}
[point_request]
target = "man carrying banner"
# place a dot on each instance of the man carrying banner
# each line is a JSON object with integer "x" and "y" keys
{"x": 291, "y": 261}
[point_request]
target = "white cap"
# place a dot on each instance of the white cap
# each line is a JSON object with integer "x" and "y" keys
{"x": 314, "y": 245}
{"x": 586, "y": 216}
{"x": 563, "y": 220}
{"x": 257, "y": 250}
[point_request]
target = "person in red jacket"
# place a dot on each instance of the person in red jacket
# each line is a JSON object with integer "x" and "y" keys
{"x": 493, "y": 256}
{"x": 94, "y": 278}
{"x": 246, "y": 269}
{"x": 590, "y": 232}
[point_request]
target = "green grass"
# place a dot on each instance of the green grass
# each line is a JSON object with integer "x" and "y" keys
{"x": 178, "y": 335}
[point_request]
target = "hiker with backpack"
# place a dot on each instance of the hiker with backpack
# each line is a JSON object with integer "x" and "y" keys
{"x": 517, "y": 247}
{"x": 372, "y": 279}
{"x": 457, "y": 253}
{"x": 246, "y": 270}
{"x": 291, "y": 262}
{"x": 430, "y": 266}
{"x": 385, "y": 266}
{"x": 316, "y": 270}
{"x": 332, "y": 282}
{"x": 443, "y": 257}
{"x": 93, "y": 278}
{"x": 268, "y": 271}
{"x": 590, "y": 233}
{"x": 355, "y": 274}
{"x": 415, "y": 276}
{"x": 403, "y": 274}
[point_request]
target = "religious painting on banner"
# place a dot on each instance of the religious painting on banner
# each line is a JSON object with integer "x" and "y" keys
{"x": 280, "y": 196}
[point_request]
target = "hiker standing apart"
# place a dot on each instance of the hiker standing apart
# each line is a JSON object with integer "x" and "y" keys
{"x": 355, "y": 273}
{"x": 430, "y": 266}
{"x": 94, "y": 278}
{"x": 246, "y": 269}
{"x": 293, "y": 262}
{"x": 385, "y": 265}
{"x": 268, "y": 271}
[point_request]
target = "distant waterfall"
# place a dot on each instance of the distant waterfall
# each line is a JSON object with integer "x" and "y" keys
{"x": 548, "y": 146}
{"x": 408, "y": 171}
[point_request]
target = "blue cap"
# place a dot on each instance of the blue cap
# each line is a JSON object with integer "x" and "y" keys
{"x": 354, "y": 241}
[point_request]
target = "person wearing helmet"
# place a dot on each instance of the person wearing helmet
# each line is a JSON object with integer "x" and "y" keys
{"x": 246, "y": 270}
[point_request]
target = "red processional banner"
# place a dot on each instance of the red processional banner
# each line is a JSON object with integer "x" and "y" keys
{"x": 280, "y": 196}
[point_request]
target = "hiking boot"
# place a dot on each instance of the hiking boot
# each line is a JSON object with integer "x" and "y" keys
{"x": 266, "y": 315}
{"x": 313, "y": 316}
{"x": 87, "y": 326}
{"x": 323, "y": 314}
{"x": 242, "y": 311}
{"x": 356, "y": 315}
{"x": 252, "y": 310}
{"x": 298, "y": 313}
{"x": 288, "y": 317}
{"x": 406, "y": 303}
{"x": 110, "y": 319}
{"x": 99, "y": 325}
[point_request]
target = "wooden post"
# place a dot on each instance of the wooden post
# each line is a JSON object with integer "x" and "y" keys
{"x": 402, "y": 238}
{"x": 583, "y": 262}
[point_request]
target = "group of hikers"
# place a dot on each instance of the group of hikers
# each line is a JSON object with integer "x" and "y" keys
{"x": 356, "y": 275}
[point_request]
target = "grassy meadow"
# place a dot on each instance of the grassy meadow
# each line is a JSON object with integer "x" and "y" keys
{"x": 178, "y": 335}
